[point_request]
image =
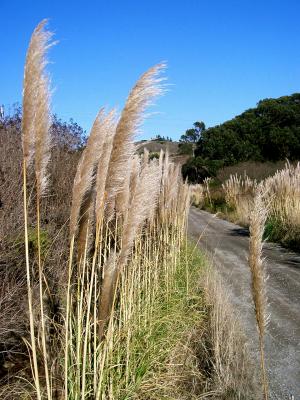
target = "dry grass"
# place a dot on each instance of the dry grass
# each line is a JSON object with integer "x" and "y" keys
{"x": 258, "y": 218}
{"x": 232, "y": 376}
{"x": 239, "y": 196}
{"x": 211, "y": 359}
{"x": 282, "y": 196}
{"x": 120, "y": 234}
{"x": 197, "y": 195}
{"x": 254, "y": 170}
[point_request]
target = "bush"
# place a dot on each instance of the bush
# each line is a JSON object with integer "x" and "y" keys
{"x": 185, "y": 148}
{"x": 153, "y": 156}
{"x": 197, "y": 169}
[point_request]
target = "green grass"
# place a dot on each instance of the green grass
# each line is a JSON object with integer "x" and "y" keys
{"x": 176, "y": 312}
{"x": 276, "y": 232}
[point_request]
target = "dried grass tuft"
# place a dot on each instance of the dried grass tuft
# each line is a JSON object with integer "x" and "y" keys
{"x": 35, "y": 97}
{"x": 258, "y": 218}
{"x": 146, "y": 89}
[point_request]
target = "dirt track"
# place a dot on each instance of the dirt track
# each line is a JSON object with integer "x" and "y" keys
{"x": 227, "y": 244}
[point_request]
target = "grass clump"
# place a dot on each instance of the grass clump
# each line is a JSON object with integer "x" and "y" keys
{"x": 234, "y": 201}
{"x": 199, "y": 349}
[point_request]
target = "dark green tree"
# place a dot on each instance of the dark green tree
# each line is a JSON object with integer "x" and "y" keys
{"x": 268, "y": 132}
{"x": 194, "y": 134}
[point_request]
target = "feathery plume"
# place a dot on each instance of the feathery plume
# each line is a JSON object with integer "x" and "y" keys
{"x": 144, "y": 199}
{"x": 103, "y": 164}
{"x": 123, "y": 196}
{"x": 146, "y": 89}
{"x": 103, "y": 130}
{"x": 42, "y": 136}
{"x": 107, "y": 291}
{"x": 143, "y": 202}
{"x": 85, "y": 173}
{"x": 258, "y": 217}
{"x": 135, "y": 173}
{"x": 33, "y": 74}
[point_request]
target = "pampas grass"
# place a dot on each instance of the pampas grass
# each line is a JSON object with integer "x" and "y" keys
{"x": 282, "y": 194}
{"x": 258, "y": 218}
{"x": 34, "y": 88}
{"x": 85, "y": 173}
{"x": 35, "y": 139}
{"x": 146, "y": 89}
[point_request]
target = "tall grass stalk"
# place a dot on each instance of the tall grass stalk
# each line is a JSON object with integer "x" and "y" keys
{"x": 258, "y": 218}
{"x": 35, "y": 139}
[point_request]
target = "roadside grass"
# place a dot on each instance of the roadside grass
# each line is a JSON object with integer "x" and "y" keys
{"x": 177, "y": 315}
{"x": 233, "y": 200}
{"x": 276, "y": 232}
{"x": 195, "y": 347}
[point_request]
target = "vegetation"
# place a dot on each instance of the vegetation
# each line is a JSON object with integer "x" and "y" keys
{"x": 268, "y": 132}
{"x": 234, "y": 200}
{"x": 160, "y": 138}
{"x": 258, "y": 216}
{"x": 115, "y": 304}
{"x": 188, "y": 140}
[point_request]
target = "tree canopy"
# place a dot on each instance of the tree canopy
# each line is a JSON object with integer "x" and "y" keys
{"x": 268, "y": 132}
{"x": 193, "y": 135}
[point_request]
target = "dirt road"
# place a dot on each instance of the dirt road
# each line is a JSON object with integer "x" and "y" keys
{"x": 227, "y": 244}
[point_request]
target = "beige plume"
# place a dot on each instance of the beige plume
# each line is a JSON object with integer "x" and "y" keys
{"x": 146, "y": 89}
{"x": 34, "y": 86}
{"x": 85, "y": 173}
{"x": 258, "y": 216}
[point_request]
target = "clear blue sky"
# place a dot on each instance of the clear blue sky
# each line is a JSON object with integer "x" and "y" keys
{"x": 223, "y": 56}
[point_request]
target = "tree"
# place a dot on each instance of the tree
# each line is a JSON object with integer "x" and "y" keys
{"x": 268, "y": 132}
{"x": 160, "y": 138}
{"x": 193, "y": 135}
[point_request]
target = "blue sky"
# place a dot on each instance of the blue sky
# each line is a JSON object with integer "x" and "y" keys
{"x": 223, "y": 56}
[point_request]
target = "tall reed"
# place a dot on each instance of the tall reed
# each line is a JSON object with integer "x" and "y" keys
{"x": 36, "y": 141}
{"x": 258, "y": 218}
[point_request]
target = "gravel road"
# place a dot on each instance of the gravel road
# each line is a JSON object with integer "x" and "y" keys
{"x": 227, "y": 245}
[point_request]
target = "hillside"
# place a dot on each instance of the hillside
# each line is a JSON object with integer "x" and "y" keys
{"x": 268, "y": 132}
{"x": 155, "y": 146}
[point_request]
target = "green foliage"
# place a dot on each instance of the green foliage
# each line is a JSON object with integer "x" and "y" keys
{"x": 197, "y": 169}
{"x": 178, "y": 309}
{"x": 269, "y": 132}
{"x": 160, "y": 138}
{"x": 193, "y": 135}
{"x": 153, "y": 155}
{"x": 185, "y": 148}
{"x": 275, "y": 231}
{"x": 33, "y": 241}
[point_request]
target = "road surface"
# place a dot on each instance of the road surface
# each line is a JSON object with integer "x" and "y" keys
{"x": 227, "y": 244}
